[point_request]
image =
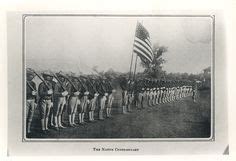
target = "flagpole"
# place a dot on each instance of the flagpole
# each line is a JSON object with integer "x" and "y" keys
{"x": 135, "y": 66}
{"x": 131, "y": 64}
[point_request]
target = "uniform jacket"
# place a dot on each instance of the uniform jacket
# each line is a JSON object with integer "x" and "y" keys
{"x": 58, "y": 89}
{"x": 29, "y": 90}
{"x": 43, "y": 90}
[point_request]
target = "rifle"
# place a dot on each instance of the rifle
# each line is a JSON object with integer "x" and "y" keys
{"x": 40, "y": 78}
{"x": 73, "y": 85}
{"x": 80, "y": 82}
{"x": 59, "y": 82}
{"x": 32, "y": 88}
{"x": 91, "y": 84}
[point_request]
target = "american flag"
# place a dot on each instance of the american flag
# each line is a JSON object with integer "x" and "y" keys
{"x": 142, "y": 44}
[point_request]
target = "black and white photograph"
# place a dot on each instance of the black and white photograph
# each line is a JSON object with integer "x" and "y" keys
{"x": 126, "y": 77}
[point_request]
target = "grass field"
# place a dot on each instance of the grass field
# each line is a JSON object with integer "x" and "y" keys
{"x": 180, "y": 119}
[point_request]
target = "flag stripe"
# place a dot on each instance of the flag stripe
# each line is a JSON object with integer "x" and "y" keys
{"x": 146, "y": 53}
{"x": 144, "y": 44}
{"x": 142, "y": 52}
{"x": 143, "y": 49}
{"x": 148, "y": 42}
{"x": 143, "y": 57}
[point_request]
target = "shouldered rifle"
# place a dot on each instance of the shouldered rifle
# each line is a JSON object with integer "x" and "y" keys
{"x": 82, "y": 83}
{"x": 91, "y": 84}
{"x": 59, "y": 82}
{"x": 68, "y": 79}
{"x": 41, "y": 79}
{"x": 31, "y": 87}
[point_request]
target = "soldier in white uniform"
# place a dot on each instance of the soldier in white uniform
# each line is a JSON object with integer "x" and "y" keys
{"x": 45, "y": 92}
{"x": 60, "y": 93}
{"x": 73, "y": 102}
{"x": 83, "y": 97}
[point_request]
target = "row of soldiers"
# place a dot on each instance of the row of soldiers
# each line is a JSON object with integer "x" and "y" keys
{"x": 154, "y": 92}
{"x": 82, "y": 95}
{"x": 75, "y": 93}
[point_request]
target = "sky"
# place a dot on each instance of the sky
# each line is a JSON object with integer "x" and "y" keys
{"x": 80, "y": 43}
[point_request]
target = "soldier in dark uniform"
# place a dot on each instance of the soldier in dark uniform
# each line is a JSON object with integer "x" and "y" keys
{"x": 45, "y": 92}
{"x": 60, "y": 93}
{"x": 51, "y": 117}
{"x": 31, "y": 99}
{"x": 195, "y": 93}
{"x": 138, "y": 93}
{"x": 130, "y": 94}
{"x": 137, "y": 90}
{"x": 145, "y": 93}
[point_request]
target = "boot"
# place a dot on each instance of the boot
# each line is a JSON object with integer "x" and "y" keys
{"x": 28, "y": 127}
{"x": 90, "y": 116}
{"x": 46, "y": 123}
{"x": 129, "y": 108}
{"x": 107, "y": 112}
{"x": 101, "y": 115}
{"x": 51, "y": 121}
{"x": 93, "y": 116}
{"x": 70, "y": 120}
{"x": 60, "y": 122}
{"x": 123, "y": 110}
{"x": 80, "y": 118}
{"x": 43, "y": 125}
{"x": 73, "y": 119}
{"x": 56, "y": 123}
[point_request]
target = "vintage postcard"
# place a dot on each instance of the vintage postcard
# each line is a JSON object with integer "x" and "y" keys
{"x": 117, "y": 83}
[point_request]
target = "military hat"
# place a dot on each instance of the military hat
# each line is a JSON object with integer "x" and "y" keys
{"x": 30, "y": 72}
{"x": 72, "y": 74}
{"x": 47, "y": 73}
{"x": 59, "y": 74}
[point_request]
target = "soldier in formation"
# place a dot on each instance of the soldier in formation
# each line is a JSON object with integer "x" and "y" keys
{"x": 82, "y": 96}
{"x": 156, "y": 92}
{"x": 31, "y": 99}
